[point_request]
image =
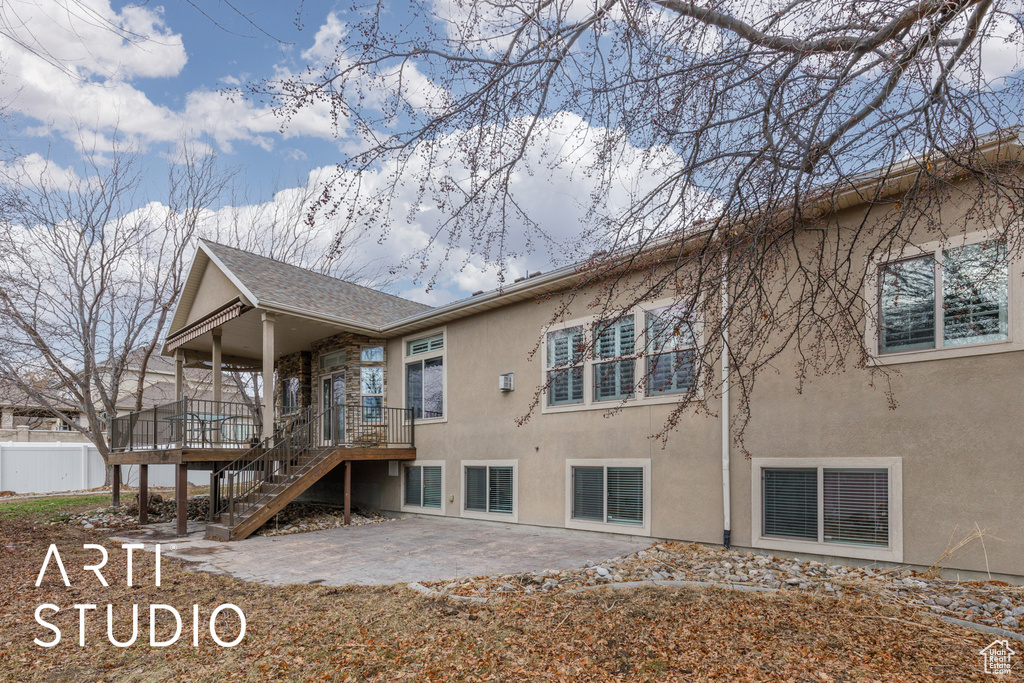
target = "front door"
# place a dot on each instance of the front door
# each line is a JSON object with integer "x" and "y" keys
{"x": 334, "y": 407}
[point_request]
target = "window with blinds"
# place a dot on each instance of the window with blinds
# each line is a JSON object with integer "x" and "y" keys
{"x": 608, "y": 494}
{"x": 856, "y": 506}
{"x": 614, "y": 380}
{"x": 670, "y": 353}
{"x": 846, "y": 506}
{"x": 790, "y": 503}
{"x": 423, "y": 486}
{"x": 564, "y": 362}
{"x": 973, "y": 296}
{"x": 489, "y": 489}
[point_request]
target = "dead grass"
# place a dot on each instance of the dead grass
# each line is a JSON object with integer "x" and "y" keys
{"x": 391, "y": 634}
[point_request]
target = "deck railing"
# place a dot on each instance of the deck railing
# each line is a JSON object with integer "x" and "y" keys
{"x": 187, "y": 423}
{"x": 267, "y": 468}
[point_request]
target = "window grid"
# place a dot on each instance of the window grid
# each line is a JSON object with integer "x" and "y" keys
{"x": 845, "y": 506}
{"x": 944, "y": 298}
{"x": 489, "y": 488}
{"x": 650, "y": 346}
{"x": 423, "y": 486}
{"x": 424, "y": 377}
{"x": 611, "y": 495}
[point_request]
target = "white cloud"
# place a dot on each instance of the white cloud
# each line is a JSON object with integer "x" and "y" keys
{"x": 92, "y": 96}
{"x": 34, "y": 170}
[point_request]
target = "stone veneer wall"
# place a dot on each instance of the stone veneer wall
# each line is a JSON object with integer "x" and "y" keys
{"x": 352, "y": 345}
{"x": 295, "y": 365}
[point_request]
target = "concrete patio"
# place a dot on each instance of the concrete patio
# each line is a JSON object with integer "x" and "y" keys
{"x": 397, "y": 551}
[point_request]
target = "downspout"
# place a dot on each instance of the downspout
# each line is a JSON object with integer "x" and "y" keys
{"x": 726, "y": 482}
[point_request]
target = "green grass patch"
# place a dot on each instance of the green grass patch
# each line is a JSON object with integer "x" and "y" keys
{"x": 49, "y": 509}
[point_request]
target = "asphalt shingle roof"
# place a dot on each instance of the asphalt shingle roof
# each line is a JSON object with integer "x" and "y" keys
{"x": 286, "y": 285}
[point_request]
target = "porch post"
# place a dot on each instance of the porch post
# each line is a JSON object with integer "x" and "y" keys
{"x": 268, "y": 375}
{"x": 143, "y": 494}
{"x": 348, "y": 492}
{"x": 179, "y": 374}
{"x": 216, "y": 365}
{"x": 115, "y": 486}
{"x": 216, "y": 362}
{"x": 181, "y": 498}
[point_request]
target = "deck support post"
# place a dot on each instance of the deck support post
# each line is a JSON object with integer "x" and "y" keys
{"x": 348, "y": 492}
{"x": 181, "y": 498}
{"x": 214, "y": 489}
{"x": 115, "y": 486}
{"x": 268, "y": 375}
{"x": 143, "y": 494}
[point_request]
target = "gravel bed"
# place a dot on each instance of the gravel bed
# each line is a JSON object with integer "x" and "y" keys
{"x": 992, "y": 603}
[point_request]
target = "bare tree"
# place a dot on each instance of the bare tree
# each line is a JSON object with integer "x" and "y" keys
{"x": 90, "y": 275}
{"x": 750, "y": 120}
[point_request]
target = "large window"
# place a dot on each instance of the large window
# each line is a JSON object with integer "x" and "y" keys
{"x": 946, "y": 298}
{"x": 670, "y": 351}
{"x": 614, "y": 346}
{"x": 565, "y": 366}
{"x": 489, "y": 489}
{"x": 423, "y": 486}
{"x": 424, "y": 376}
{"x": 610, "y": 495}
{"x": 290, "y": 395}
{"x": 591, "y": 362}
{"x": 827, "y": 505}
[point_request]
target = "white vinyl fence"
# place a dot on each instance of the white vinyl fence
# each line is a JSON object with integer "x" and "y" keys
{"x": 48, "y": 467}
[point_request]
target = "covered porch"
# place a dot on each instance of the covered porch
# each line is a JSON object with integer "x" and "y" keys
{"x": 319, "y": 376}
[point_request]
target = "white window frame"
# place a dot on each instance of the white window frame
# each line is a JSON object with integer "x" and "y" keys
{"x": 495, "y": 516}
{"x": 586, "y": 525}
{"x": 1015, "y": 337}
{"x": 419, "y": 509}
{"x": 442, "y": 353}
{"x": 640, "y": 361}
{"x": 893, "y": 553}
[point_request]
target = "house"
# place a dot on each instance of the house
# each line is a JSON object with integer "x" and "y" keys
{"x": 394, "y": 405}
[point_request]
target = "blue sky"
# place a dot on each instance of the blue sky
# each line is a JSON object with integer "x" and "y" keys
{"x": 82, "y": 85}
{"x": 160, "y": 82}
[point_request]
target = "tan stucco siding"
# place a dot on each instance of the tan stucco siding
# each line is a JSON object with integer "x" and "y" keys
{"x": 956, "y": 432}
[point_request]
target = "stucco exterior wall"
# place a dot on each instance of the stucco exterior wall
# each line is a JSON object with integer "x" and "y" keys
{"x": 956, "y": 433}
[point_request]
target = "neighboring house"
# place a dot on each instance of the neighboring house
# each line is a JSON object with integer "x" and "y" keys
{"x": 22, "y": 419}
{"x": 835, "y": 472}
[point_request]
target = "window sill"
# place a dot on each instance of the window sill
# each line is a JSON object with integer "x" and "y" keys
{"x": 422, "y": 510}
{"x": 512, "y": 518}
{"x": 861, "y": 552}
{"x": 666, "y": 399}
{"x": 608, "y": 528}
{"x": 920, "y": 355}
{"x": 430, "y": 420}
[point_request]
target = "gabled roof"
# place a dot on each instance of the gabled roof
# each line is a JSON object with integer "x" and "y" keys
{"x": 272, "y": 284}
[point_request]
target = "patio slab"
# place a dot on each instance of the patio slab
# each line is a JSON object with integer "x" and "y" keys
{"x": 397, "y": 551}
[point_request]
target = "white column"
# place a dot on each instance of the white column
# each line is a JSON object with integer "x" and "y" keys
{"x": 216, "y": 365}
{"x": 179, "y": 375}
{"x": 268, "y": 374}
